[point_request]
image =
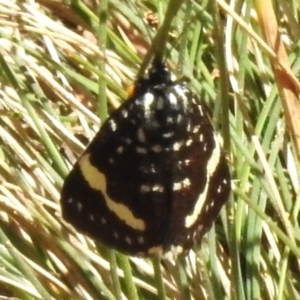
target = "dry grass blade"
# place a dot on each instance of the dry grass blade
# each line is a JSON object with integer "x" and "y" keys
{"x": 287, "y": 89}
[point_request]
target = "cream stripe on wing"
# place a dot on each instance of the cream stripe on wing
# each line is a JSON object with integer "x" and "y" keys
{"x": 210, "y": 169}
{"x": 97, "y": 181}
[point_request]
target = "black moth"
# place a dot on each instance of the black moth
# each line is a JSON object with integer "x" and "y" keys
{"x": 154, "y": 177}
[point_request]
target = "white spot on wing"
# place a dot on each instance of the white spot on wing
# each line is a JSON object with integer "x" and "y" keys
{"x": 157, "y": 188}
{"x": 187, "y": 162}
{"x": 168, "y": 134}
{"x": 181, "y": 91}
{"x": 141, "y": 240}
{"x": 189, "y": 142}
{"x": 156, "y": 148}
{"x": 155, "y": 124}
{"x": 141, "y": 135}
{"x": 196, "y": 129}
{"x": 120, "y": 149}
{"x": 177, "y": 186}
{"x": 124, "y": 113}
{"x": 79, "y": 206}
{"x": 179, "y": 118}
{"x": 145, "y": 188}
{"x": 141, "y": 150}
{"x": 219, "y": 190}
{"x": 173, "y": 99}
{"x": 160, "y": 103}
{"x": 113, "y": 125}
{"x": 169, "y": 120}
{"x": 148, "y": 100}
{"x": 154, "y": 188}
{"x": 177, "y": 145}
{"x": 186, "y": 182}
{"x": 128, "y": 240}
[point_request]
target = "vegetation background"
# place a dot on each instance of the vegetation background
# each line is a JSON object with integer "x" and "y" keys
{"x": 243, "y": 61}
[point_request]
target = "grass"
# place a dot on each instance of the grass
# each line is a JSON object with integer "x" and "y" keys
{"x": 51, "y": 102}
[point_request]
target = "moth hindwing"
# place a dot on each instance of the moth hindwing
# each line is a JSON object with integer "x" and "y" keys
{"x": 154, "y": 177}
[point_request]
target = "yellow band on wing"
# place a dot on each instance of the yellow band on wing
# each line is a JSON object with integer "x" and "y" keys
{"x": 212, "y": 165}
{"x": 97, "y": 181}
